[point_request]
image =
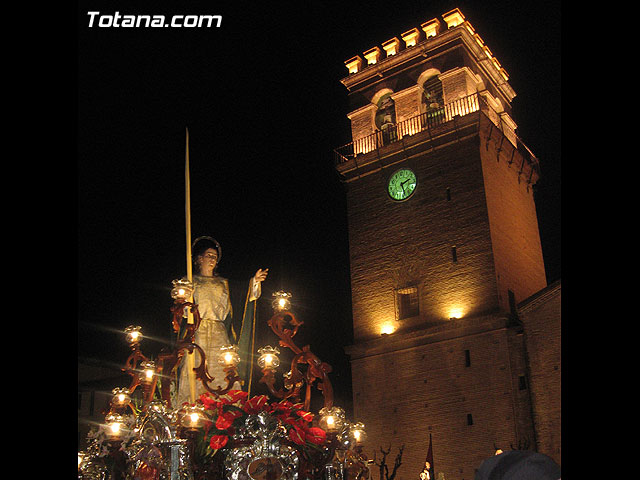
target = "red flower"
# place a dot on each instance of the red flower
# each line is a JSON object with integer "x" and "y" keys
{"x": 289, "y": 420}
{"x": 234, "y": 396}
{"x": 316, "y": 435}
{"x": 283, "y": 405}
{"x": 218, "y": 441}
{"x": 297, "y": 436}
{"x": 208, "y": 402}
{"x": 306, "y": 416}
{"x": 207, "y": 426}
{"x": 225, "y": 420}
{"x": 256, "y": 404}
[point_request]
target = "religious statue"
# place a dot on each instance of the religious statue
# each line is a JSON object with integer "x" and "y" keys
{"x": 426, "y": 474}
{"x": 227, "y": 316}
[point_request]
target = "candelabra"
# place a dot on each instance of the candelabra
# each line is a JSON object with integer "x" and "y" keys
{"x": 225, "y": 434}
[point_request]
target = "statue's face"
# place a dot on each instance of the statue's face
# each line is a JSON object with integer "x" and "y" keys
{"x": 208, "y": 260}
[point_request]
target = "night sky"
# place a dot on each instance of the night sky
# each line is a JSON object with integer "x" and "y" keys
{"x": 262, "y": 100}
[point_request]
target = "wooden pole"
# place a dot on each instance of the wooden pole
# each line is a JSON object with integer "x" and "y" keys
{"x": 190, "y": 355}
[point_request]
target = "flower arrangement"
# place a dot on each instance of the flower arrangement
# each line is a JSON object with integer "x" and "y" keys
{"x": 228, "y": 413}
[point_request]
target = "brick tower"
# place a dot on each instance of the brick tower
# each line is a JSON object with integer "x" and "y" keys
{"x": 444, "y": 243}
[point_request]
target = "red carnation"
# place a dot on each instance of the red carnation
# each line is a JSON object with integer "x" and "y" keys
{"x": 218, "y": 441}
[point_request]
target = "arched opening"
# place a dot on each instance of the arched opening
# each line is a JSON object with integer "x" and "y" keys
{"x": 431, "y": 98}
{"x": 385, "y": 118}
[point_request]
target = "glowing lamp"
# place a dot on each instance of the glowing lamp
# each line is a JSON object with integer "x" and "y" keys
{"x": 81, "y": 456}
{"x": 182, "y": 289}
{"x": 357, "y": 433}
{"x": 133, "y": 334}
{"x": 114, "y": 423}
{"x": 121, "y": 397}
{"x": 456, "y": 313}
{"x": 229, "y": 356}
{"x": 281, "y": 301}
{"x": 148, "y": 371}
{"x": 331, "y": 419}
{"x": 387, "y": 329}
{"x": 268, "y": 357}
{"x": 193, "y": 417}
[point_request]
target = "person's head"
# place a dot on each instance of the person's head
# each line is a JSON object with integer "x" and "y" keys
{"x": 206, "y": 253}
{"x": 518, "y": 465}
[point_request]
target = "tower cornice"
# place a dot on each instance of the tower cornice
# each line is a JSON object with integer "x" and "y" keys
{"x": 430, "y": 48}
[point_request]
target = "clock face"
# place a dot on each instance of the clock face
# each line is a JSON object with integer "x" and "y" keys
{"x": 402, "y": 184}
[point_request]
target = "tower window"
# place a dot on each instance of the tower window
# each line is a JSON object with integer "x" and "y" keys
{"x": 512, "y": 303}
{"x": 386, "y": 119}
{"x": 522, "y": 382}
{"x": 408, "y": 303}
{"x": 454, "y": 254}
{"x": 467, "y": 358}
{"x": 448, "y": 194}
{"x": 469, "y": 419}
{"x": 432, "y": 102}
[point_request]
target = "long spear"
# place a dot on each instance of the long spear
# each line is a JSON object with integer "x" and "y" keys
{"x": 190, "y": 355}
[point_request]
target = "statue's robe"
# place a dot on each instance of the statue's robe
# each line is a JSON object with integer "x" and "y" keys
{"x": 228, "y": 313}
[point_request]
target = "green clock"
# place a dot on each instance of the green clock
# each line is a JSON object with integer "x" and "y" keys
{"x": 402, "y": 184}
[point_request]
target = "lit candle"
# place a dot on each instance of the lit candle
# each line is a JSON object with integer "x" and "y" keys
{"x": 148, "y": 371}
{"x": 193, "y": 417}
{"x": 281, "y": 301}
{"x": 120, "y": 397}
{"x": 114, "y": 423}
{"x": 133, "y": 334}
{"x": 182, "y": 289}
{"x": 268, "y": 357}
{"x": 331, "y": 419}
{"x": 229, "y": 356}
{"x": 357, "y": 433}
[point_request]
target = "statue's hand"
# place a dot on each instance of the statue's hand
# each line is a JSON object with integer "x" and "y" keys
{"x": 261, "y": 275}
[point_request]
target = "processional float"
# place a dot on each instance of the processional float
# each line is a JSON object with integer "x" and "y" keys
{"x": 224, "y": 433}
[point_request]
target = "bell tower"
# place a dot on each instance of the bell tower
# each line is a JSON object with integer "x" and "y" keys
{"x": 444, "y": 243}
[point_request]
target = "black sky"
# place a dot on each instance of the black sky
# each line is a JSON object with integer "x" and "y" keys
{"x": 262, "y": 100}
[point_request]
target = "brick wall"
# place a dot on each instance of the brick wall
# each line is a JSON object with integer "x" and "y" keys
{"x": 403, "y": 396}
{"x": 512, "y": 218}
{"x": 407, "y": 103}
{"x": 393, "y": 244}
{"x": 362, "y": 122}
{"x": 541, "y": 316}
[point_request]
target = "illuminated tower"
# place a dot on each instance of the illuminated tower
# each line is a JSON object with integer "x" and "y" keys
{"x": 444, "y": 243}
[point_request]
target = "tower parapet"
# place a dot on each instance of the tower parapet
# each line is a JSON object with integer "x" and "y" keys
{"x": 427, "y": 68}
